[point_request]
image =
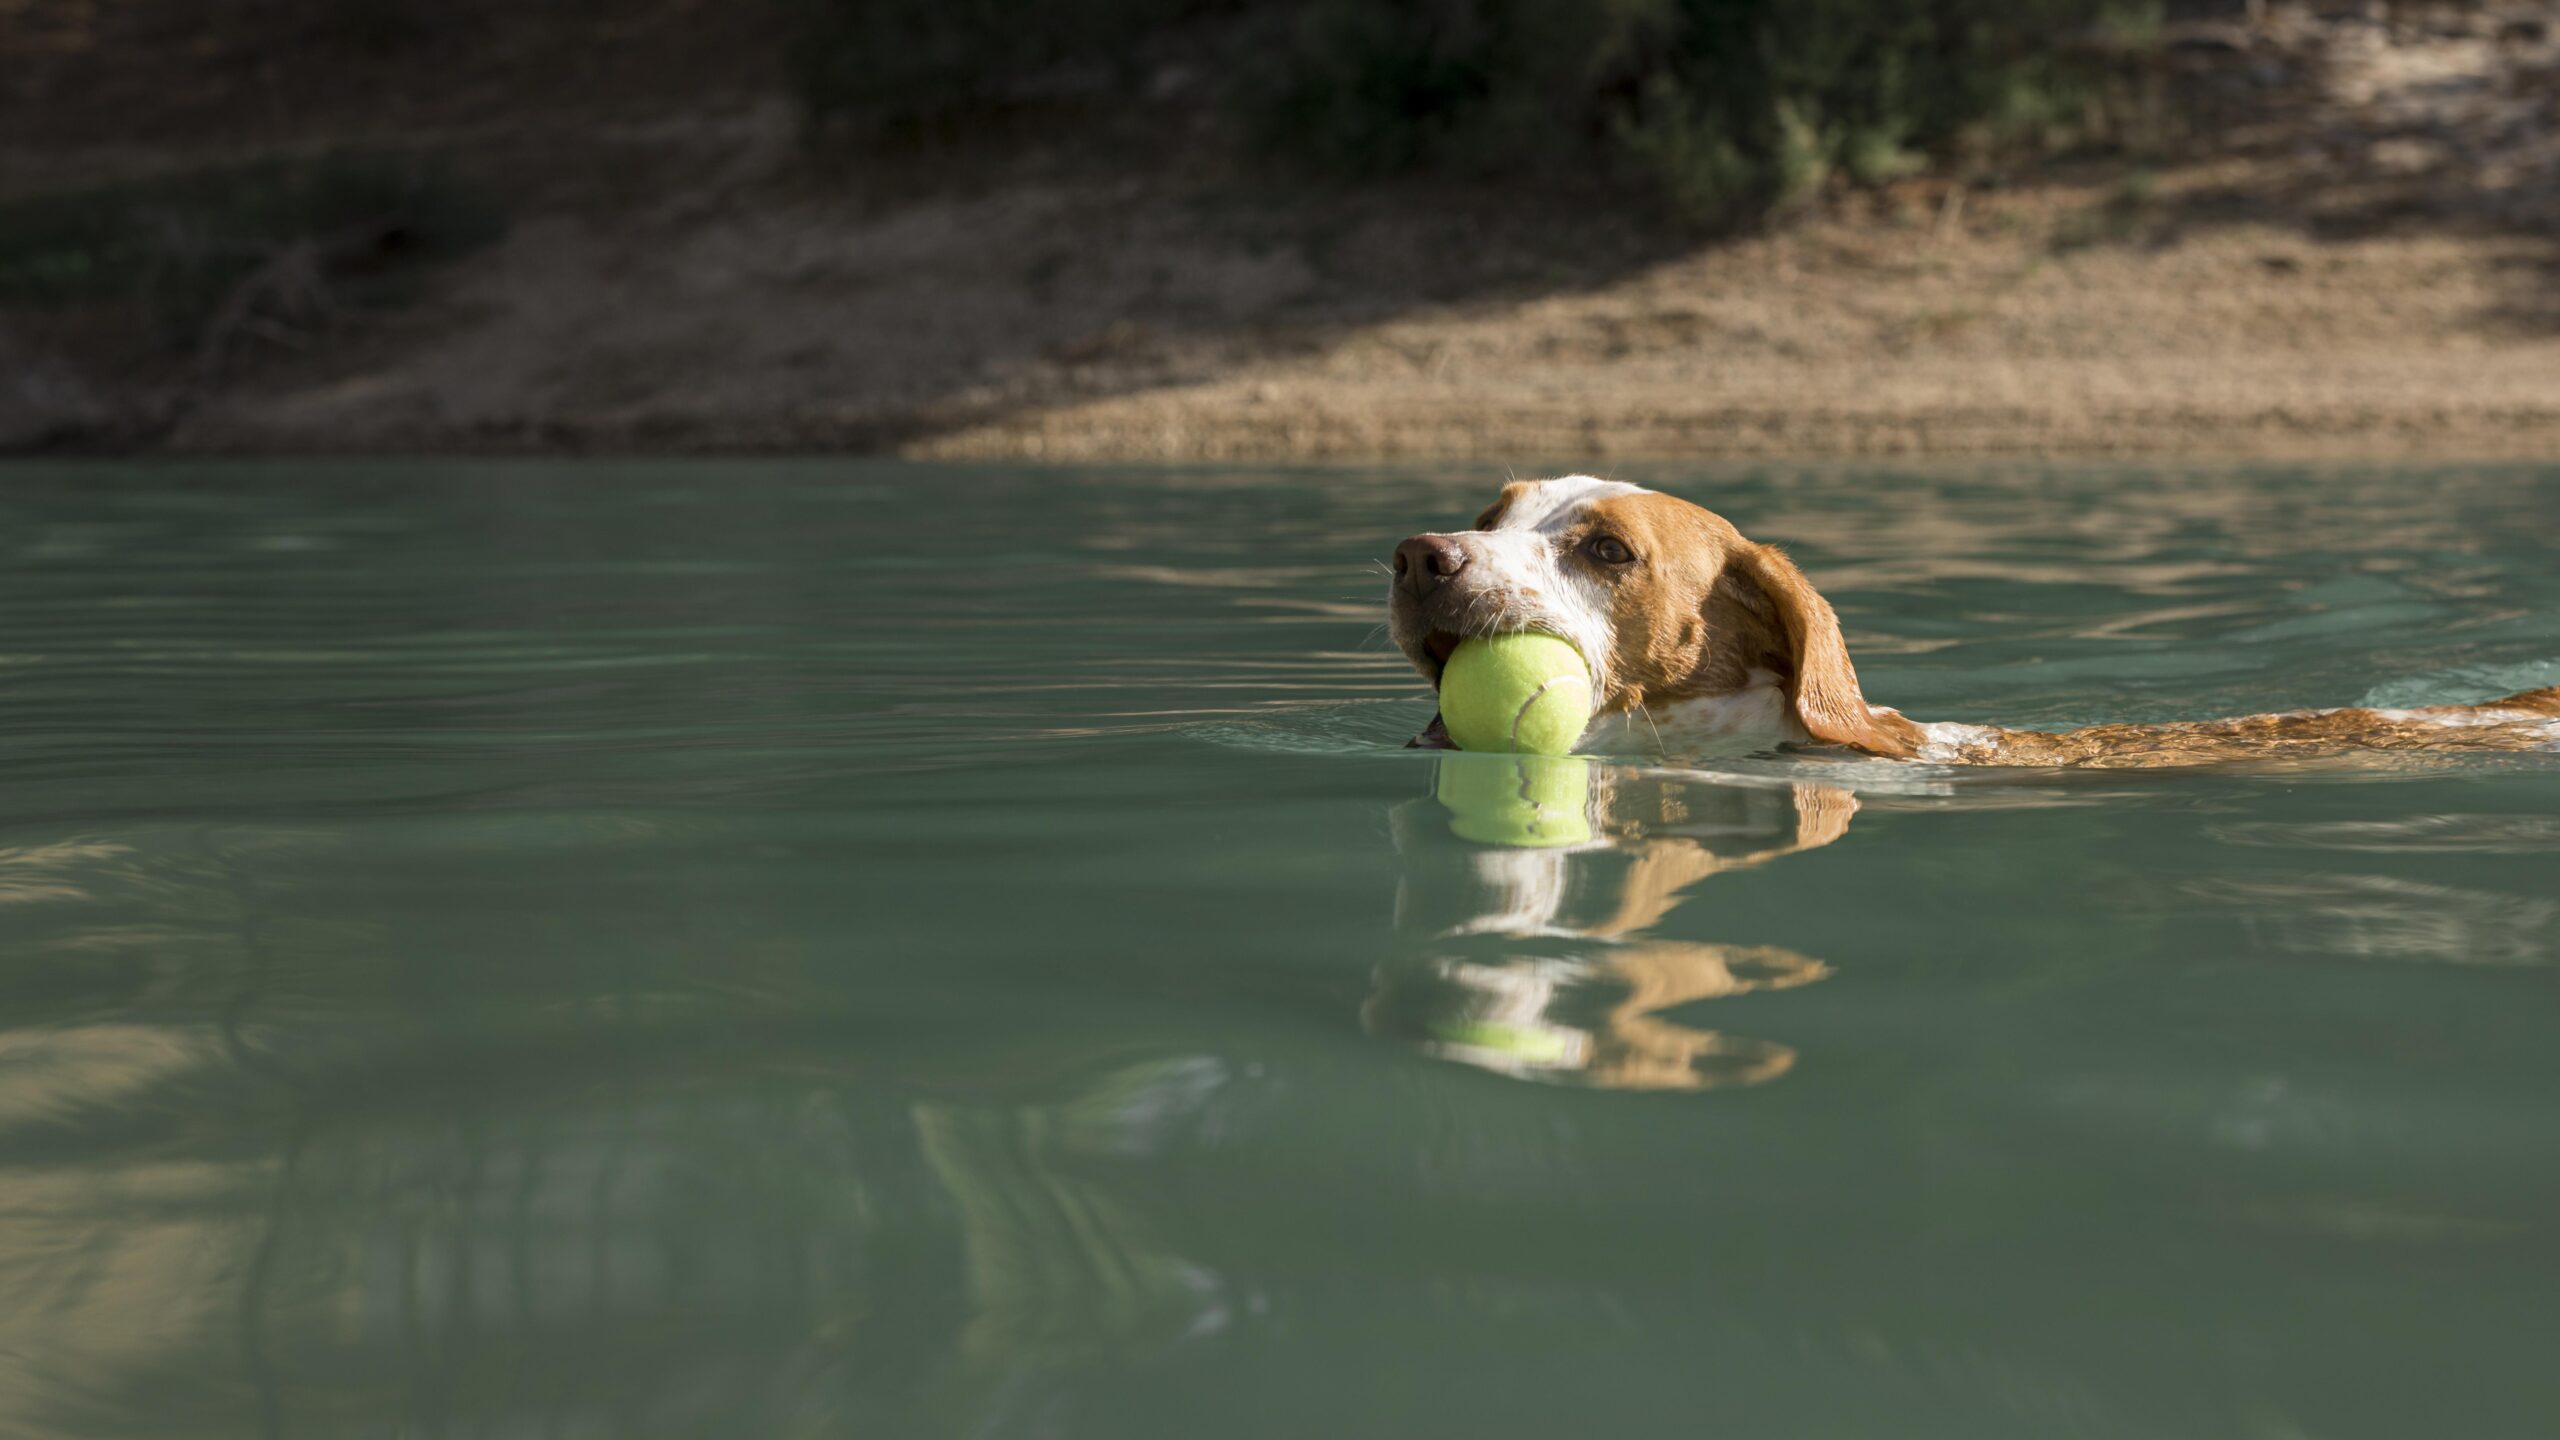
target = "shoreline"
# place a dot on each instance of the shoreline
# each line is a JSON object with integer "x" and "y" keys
{"x": 2364, "y": 265}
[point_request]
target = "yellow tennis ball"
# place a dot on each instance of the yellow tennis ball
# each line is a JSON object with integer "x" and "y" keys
{"x": 1522, "y": 692}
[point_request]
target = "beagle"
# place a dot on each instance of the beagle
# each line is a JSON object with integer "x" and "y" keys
{"x": 1692, "y": 631}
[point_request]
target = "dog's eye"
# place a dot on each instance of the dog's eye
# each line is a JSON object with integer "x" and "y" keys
{"x": 1609, "y": 550}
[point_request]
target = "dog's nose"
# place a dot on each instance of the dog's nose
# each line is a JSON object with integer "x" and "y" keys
{"x": 1425, "y": 560}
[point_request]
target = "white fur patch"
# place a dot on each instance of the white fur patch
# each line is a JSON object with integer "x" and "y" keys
{"x": 1521, "y": 581}
{"x": 2485, "y": 715}
{"x": 1553, "y": 505}
{"x": 1759, "y": 711}
{"x": 1524, "y": 893}
{"x": 1945, "y": 740}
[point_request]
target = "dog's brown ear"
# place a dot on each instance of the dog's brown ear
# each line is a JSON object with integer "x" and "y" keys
{"x": 1501, "y": 502}
{"x": 1823, "y": 685}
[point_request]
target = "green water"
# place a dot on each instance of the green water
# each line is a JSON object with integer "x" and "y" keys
{"x": 742, "y": 949}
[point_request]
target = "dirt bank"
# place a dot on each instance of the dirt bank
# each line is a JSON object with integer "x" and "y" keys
{"x": 2366, "y": 269}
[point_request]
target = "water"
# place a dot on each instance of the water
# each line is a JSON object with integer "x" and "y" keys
{"x": 808, "y": 949}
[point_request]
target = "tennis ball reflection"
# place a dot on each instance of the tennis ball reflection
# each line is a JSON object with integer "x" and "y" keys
{"x": 1533, "y": 801}
{"x": 1509, "y": 1047}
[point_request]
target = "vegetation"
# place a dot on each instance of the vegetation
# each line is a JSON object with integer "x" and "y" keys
{"x": 1722, "y": 110}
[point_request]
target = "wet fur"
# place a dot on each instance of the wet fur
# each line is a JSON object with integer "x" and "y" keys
{"x": 1704, "y": 615}
{"x": 2519, "y": 722}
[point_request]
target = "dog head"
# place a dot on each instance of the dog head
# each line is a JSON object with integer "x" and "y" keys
{"x": 1666, "y": 601}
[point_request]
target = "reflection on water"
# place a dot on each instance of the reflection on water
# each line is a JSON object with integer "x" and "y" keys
{"x": 1062, "y": 1270}
{"x": 2388, "y": 918}
{"x": 2492, "y": 834}
{"x": 491, "y": 951}
{"x": 1530, "y": 947}
{"x": 650, "y": 1212}
{"x": 272, "y": 1171}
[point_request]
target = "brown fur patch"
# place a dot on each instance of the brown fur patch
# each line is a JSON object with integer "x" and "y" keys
{"x": 2545, "y": 701}
{"x": 1823, "y": 685}
{"x": 1665, "y": 646}
{"x": 1492, "y": 515}
{"x": 1701, "y": 608}
{"x": 2291, "y": 736}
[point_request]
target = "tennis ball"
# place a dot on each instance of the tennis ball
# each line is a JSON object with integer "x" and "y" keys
{"x": 1523, "y": 692}
{"x": 1530, "y": 801}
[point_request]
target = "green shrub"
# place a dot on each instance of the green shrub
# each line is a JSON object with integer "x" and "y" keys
{"x": 1689, "y": 159}
{"x": 1483, "y": 86}
{"x": 1720, "y": 108}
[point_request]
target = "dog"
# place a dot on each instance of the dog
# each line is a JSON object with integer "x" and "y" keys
{"x": 1693, "y": 632}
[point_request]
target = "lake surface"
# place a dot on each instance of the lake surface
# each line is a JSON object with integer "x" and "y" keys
{"x": 743, "y": 949}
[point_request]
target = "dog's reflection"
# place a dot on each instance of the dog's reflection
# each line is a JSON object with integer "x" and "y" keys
{"x": 1531, "y": 889}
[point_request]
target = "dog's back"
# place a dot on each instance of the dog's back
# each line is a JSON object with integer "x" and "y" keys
{"x": 2530, "y": 721}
